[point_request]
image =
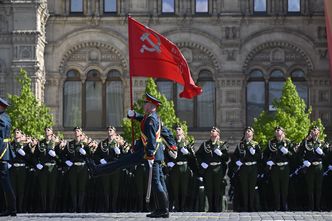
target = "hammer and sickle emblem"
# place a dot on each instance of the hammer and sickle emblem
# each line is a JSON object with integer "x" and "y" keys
{"x": 154, "y": 46}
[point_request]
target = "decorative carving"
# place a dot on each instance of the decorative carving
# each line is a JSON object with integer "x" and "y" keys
{"x": 231, "y": 33}
{"x": 187, "y": 53}
{"x": 322, "y": 53}
{"x": 231, "y": 97}
{"x": 277, "y": 55}
{"x": 3, "y": 24}
{"x": 230, "y": 54}
{"x": 203, "y": 54}
{"x": 321, "y": 33}
{"x": 323, "y": 96}
{"x": 325, "y": 117}
{"x": 292, "y": 53}
{"x": 90, "y": 50}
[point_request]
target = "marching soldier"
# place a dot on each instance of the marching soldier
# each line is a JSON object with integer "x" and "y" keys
{"x": 108, "y": 150}
{"x": 247, "y": 154}
{"x": 75, "y": 158}
{"x": 179, "y": 170}
{"x": 312, "y": 153}
{"x": 213, "y": 156}
{"x": 46, "y": 163}
{"x": 6, "y": 155}
{"x": 277, "y": 156}
{"x": 18, "y": 168}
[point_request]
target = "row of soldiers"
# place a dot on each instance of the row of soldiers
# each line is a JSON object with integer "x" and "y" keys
{"x": 51, "y": 175}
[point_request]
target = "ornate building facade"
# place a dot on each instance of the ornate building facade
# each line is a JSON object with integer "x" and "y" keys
{"x": 239, "y": 51}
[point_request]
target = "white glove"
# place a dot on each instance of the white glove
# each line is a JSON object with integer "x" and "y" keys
{"x": 270, "y": 163}
{"x": 51, "y": 153}
{"x": 217, "y": 151}
{"x": 131, "y": 113}
{"x": 117, "y": 150}
{"x": 184, "y": 151}
{"x": 200, "y": 179}
{"x": 9, "y": 165}
{"x": 103, "y": 161}
{"x": 319, "y": 151}
{"x": 204, "y": 165}
{"x": 306, "y": 163}
{"x": 284, "y": 150}
{"x": 252, "y": 151}
{"x": 39, "y": 166}
{"x": 69, "y": 163}
{"x": 82, "y": 151}
{"x": 21, "y": 152}
{"x": 170, "y": 164}
{"x": 150, "y": 163}
{"x": 330, "y": 167}
{"x": 238, "y": 163}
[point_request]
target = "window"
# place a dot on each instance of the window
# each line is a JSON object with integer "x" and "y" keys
{"x": 198, "y": 112}
{"x": 294, "y": 6}
{"x": 261, "y": 92}
{"x": 110, "y": 6}
{"x": 114, "y": 98}
{"x": 255, "y": 95}
{"x": 202, "y": 6}
{"x": 93, "y": 100}
{"x": 299, "y": 81}
{"x": 93, "y": 104}
{"x": 260, "y": 6}
{"x": 206, "y": 101}
{"x": 276, "y": 83}
{"x": 167, "y": 6}
{"x": 76, "y": 6}
{"x": 72, "y": 100}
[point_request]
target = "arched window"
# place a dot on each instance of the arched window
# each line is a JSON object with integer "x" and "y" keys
{"x": 261, "y": 92}
{"x": 198, "y": 112}
{"x": 114, "y": 98}
{"x": 255, "y": 95}
{"x": 93, "y": 104}
{"x": 206, "y": 101}
{"x": 72, "y": 100}
{"x": 93, "y": 100}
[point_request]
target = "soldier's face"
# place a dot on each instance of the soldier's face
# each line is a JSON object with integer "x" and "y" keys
{"x": 279, "y": 132}
{"x": 214, "y": 133}
{"x": 48, "y": 132}
{"x": 149, "y": 107}
{"x": 249, "y": 134}
{"x": 111, "y": 132}
{"x": 179, "y": 131}
{"x": 18, "y": 134}
{"x": 78, "y": 132}
{"x": 315, "y": 132}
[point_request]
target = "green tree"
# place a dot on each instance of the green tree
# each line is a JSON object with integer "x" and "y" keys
{"x": 291, "y": 113}
{"x": 26, "y": 112}
{"x": 166, "y": 112}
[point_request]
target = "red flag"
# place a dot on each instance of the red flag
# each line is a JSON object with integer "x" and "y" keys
{"x": 153, "y": 55}
{"x": 328, "y": 21}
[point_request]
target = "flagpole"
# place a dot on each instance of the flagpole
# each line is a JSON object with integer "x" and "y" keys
{"x": 130, "y": 82}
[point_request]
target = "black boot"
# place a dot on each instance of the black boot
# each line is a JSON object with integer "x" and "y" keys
{"x": 164, "y": 204}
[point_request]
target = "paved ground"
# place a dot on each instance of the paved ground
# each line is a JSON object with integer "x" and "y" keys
{"x": 304, "y": 216}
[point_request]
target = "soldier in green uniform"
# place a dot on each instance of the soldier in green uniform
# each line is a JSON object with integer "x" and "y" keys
{"x": 277, "y": 156}
{"x": 108, "y": 150}
{"x": 179, "y": 170}
{"x": 18, "y": 170}
{"x": 47, "y": 169}
{"x": 312, "y": 153}
{"x": 212, "y": 157}
{"x": 75, "y": 158}
{"x": 247, "y": 155}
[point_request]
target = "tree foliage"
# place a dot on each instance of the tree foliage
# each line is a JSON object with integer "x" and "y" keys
{"x": 165, "y": 111}
{"x": 26, "y": 112}
{"x": 291, "y": 114}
